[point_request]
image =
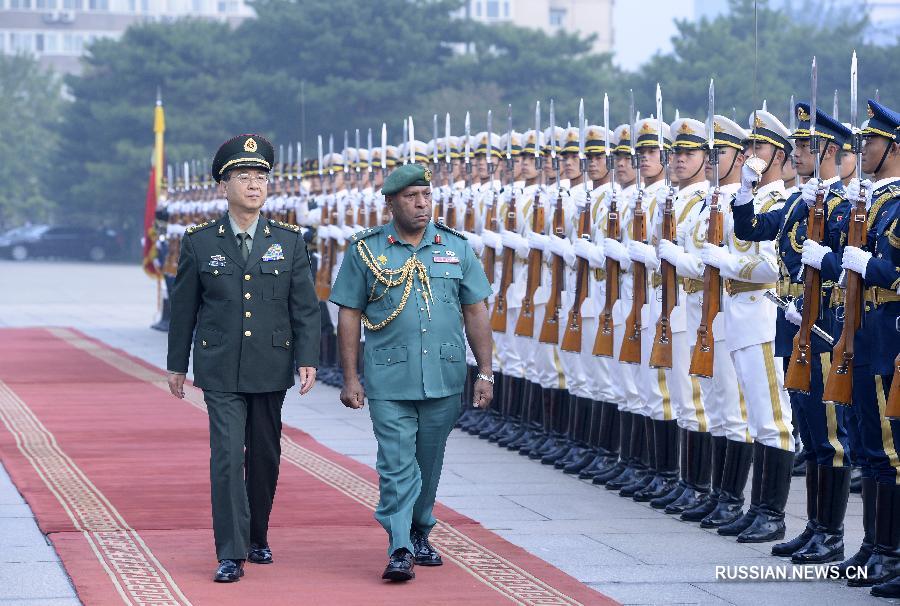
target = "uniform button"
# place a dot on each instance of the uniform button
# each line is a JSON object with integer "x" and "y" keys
{"x": 424, "y": 352}
{"x": 247, "y": 333}
{"x": 287, "y": 343}
{"x": 247, "y": 295}
{"x": 388, "y": 359}
{"x": 246, "y": 276}
{"x": 446, "y": 273}
{"x": 424, "y": 330}
{"x": 215, "y": 272}
{"x": 421, "y": 309}
{"x": 276, "y": 272}
{"x": 247, "y": 314}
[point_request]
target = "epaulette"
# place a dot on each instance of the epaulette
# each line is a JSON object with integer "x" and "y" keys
{"x": 283, "y": 225}
{"x": 835, "y": 200}
{"x": 445, "y": 227}
{"x": 772, "y": 201}
{"x": 195, "y": 228}
{"x": 365, "y": 233}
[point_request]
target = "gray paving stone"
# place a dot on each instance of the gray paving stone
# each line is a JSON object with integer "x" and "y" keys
{"x": 794, "y": 593}
{"x": 44, "y": 580}
{"x": 658, "y": 593}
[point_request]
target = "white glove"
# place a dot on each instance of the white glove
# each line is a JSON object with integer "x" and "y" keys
{"x": 660, "y": 196}
{"x": 808, "y": 192}
{"x": 669, "y": 251}
{"x": 591, "y": 252}
{"x": 813, "y": 253}
{"x": 643, "y": 253}
{"x": 749, "y": 178}
{"x": 537, "y": 241}
{"x": 855, "y": 259}
{"x": 852, "y": 191}
{"x": 516, "y": 242}
{"x": 476, "y": 242}
{"x": 559, "y": 246}
{"x": 348, "y": 231}
{"x": 617, "y": 251}
{"x": 713, "y": 255}
{"x": 792, "y": 315}
{"x": 491, "y": 239}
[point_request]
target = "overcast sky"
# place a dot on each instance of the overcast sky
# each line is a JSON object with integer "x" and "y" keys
{"x": 643, "y": 28}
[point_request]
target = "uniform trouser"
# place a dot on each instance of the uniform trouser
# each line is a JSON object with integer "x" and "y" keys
{"x": 245, "y": 451}
{"x": 658, "y": 396}
{"x": 599, "y": 372}
{"x": 879, "y": 437}
{"x": 722, "y": 400}
{"x": 512, "y": 350}
{"x": 544, "y": 365}
{"x": 411, "y": 435}
{"x": 628, "y": 377}
{"x": 761, "y": 378}
{"x": 822, "y": 426}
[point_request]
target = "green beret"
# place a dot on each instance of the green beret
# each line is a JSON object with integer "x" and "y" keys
{"x": 243, "y": 151}
{"x": 405, "y": 176}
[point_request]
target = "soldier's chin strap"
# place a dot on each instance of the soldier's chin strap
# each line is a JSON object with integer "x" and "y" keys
{"x": 884, "y": 155}
{"x": 730, "y": 168}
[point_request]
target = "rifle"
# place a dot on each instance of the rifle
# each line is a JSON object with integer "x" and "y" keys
{"x": 661, "y": 354}
{"x": 892, "y": 409}
{"x": 489, "y": 256}
{"x": 323, "y": 275}
{"x": 603, "y": 342}
{"x": 704, "y": 347}
{"x": 469, "y": 213}
{"x": 499, "y": 313}
{"x": 630, "y": 353}
{"x": 572, "y": 336}
{"x": 799, "y": 373}
{"x": 550, "y": 328}
{"x": 839, "y": 384}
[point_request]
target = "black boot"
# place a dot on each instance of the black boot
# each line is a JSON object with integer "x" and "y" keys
{"x": 531, "y": 417}
{"x": 598, "y": 455}
{"x": 647, "y": 462}
{"x": 633, "y": 465}
{"x": 543, "y": 410}
{"x": 738, "y": 458}
{"x": 587, "y": 452}
{"x": 625, "y": 423}
{"x": 776, "y": 484}
{"x": 562, "y": 406}
{"x": 868, "y": 520}
{"x": 827, "y": 544}
{"x": 699, "y": 461}
{"x": 572, "y": 447}
{"x": 665, "y": 443}
{"x": 788, "y": 548}
{"x": 681, "y": 485}
{"x": 735, "y": 528}
{"x": 513, "y": 403}
{"x": 708, "y": 503}
{"x": 884, "y": 563}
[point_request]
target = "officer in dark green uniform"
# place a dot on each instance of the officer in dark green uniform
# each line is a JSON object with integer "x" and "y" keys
{"x": 416, "y": 286}
{"x": 244, "y": 296}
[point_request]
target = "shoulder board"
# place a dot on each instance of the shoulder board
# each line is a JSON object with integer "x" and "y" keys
{"x": 283, "y": 225}
{"x": 362, "y": 235}
{"x": 834, "y": 202}
{"x": 195, "y": 228}
{"x": 772, "y": 201}
{"x": 444, "y": 227}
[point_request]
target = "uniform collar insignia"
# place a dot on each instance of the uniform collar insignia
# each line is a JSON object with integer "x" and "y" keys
{"x": 221, "y": 230}
{"x": 437, "y": 238}
{"x": 266, "y": 231}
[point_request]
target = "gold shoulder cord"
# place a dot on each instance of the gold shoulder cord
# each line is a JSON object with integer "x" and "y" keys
{"x": 394, "y": 277}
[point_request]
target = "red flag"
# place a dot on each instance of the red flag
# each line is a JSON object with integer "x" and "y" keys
{"x": 154, "y": 188}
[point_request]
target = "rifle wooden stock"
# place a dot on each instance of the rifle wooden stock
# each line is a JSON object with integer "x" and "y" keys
{"x": 799, "y": 372}
{"x": 525, "y": 323}
{"x": 469, "y": 216}
{"x": 489, "y": 256}
{"x": 372, "y": 218}
{"x": 323, "y": 281}
{"x": 704, "y": 347}
{"x": 572, "y": 336}
{"x": 892, "y": 409}
{"x": 550, "y": 328}
{"x": 603, "y": 342}
{"x": 839, "y": 384}
{"x": 500, "y": 311}
{"x": 661, "y": 353}
{"x": 630, "y": 353}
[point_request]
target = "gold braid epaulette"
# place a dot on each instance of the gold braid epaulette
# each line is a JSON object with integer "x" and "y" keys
{"x": 194, "y": 228}
{"x": 405, "y": 275}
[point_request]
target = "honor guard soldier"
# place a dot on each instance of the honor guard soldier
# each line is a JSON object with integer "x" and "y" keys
{"x": 244, "y": 298}
{"x": 414, "y": 285}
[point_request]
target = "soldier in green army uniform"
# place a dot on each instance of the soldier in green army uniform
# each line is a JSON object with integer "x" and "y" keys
{"x": 415, "y": 285}
{"x": 244, "y": 284}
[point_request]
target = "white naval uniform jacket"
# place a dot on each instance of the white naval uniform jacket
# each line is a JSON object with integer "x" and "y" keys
{"x": 691, "y": 237}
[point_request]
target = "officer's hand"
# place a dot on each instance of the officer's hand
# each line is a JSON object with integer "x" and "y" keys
{"x": 176, "y": 384}
{"x": 307, "y": 378}
{"x": 484, "y": 393}
{"x": 353, "y": 395}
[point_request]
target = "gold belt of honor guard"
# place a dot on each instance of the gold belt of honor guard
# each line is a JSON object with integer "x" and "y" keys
{"x": 874, "y": 295}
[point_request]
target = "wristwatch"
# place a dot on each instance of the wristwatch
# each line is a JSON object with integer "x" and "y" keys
{"x": 484, "y": 377}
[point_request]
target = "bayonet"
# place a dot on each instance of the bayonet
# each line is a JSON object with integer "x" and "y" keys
{"x": 663, "y": 152}
{"x": 405, "y": 139}
{"x": 412, "y": 141}
{"x": 369, "y": 148}
{"x": 344, "y": 152}
{"x": 711, "y": 135}
{"x": 468, "y": 151}
{"x": 764, "y": 108}
{"x": 448, "y": 157}
{"x": 553, "y": 157}
{"x": 435, "y": 159}
{"x": 357, "y": 152}
{"x": 834, "y": 106}
{"x": 582, "y": 157}
{"x": 490, "y": 147}
{"x": 813, "y": 137}
{"x": 509, "y": 160}
{"x": 290, "y": 162}
{"x": 330, "y": 152}
{"x": 635, "y": 161}
{"x": 610, "y": 162}
{"x": 383, "y": 148}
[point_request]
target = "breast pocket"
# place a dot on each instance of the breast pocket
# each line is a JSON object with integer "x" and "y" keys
{"x": 216, "y": 280}
{"x": 445, "y": 279}
{"x": 276, "y": 280}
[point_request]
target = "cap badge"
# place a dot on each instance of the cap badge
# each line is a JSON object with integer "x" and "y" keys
{"x": 427, "y": 175}
{"x": 869, "y": 110}
{"x": 758, "y": 123}
{"x": 250, "y": 145}
{"x": 718, "y": 128}
{"x": 647, "y": 129}
{"x": 802, "y": 115}
{"x": 685, "y": 129}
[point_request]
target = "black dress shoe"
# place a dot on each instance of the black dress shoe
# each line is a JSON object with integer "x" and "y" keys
{"x": 260, "y": 554}
{"x": 400, "y": 566}
{"x": 423, "y": 552}
{"x": 229, "y": 571}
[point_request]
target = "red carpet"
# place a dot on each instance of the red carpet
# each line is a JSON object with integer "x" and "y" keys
{"x": 116, "y": 471}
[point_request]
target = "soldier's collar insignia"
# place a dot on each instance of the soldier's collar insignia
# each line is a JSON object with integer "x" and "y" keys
{"x": 250, "y": 145}
{"x": 382, "y": 259}
{"x": 437, "y": 238}
{"x": 274, "y": 253}
{"x": 266, "y": 231}
{"x": 392, "y": 239}
{"x": 221, "y": 230}
{"x": 802, "y": 115}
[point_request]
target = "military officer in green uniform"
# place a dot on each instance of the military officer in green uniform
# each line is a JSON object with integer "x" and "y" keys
{"x": 244, "y": 297}
{"x": 419, "y": 290}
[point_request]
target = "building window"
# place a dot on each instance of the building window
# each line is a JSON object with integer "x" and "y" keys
{"x": 493, "y": 9}
{"x": 557, "y": 17}
{"x": 506, "y": 9}
{"x": 73, "y": 5}
{"x": 21, "y": 42}
{"x": 46, "y": 4}
{"x": 51, "y": 42}
{"x": 20, "y": 4}
{"x": 98, "y": 5}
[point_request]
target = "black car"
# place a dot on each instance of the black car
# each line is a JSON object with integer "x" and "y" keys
{"x": 66, "y": 242}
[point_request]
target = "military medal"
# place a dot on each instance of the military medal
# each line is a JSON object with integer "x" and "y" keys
{"x": 274, "y": 253}
{"x": 437, "y": 239}
{"x": 216, "y": 261}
